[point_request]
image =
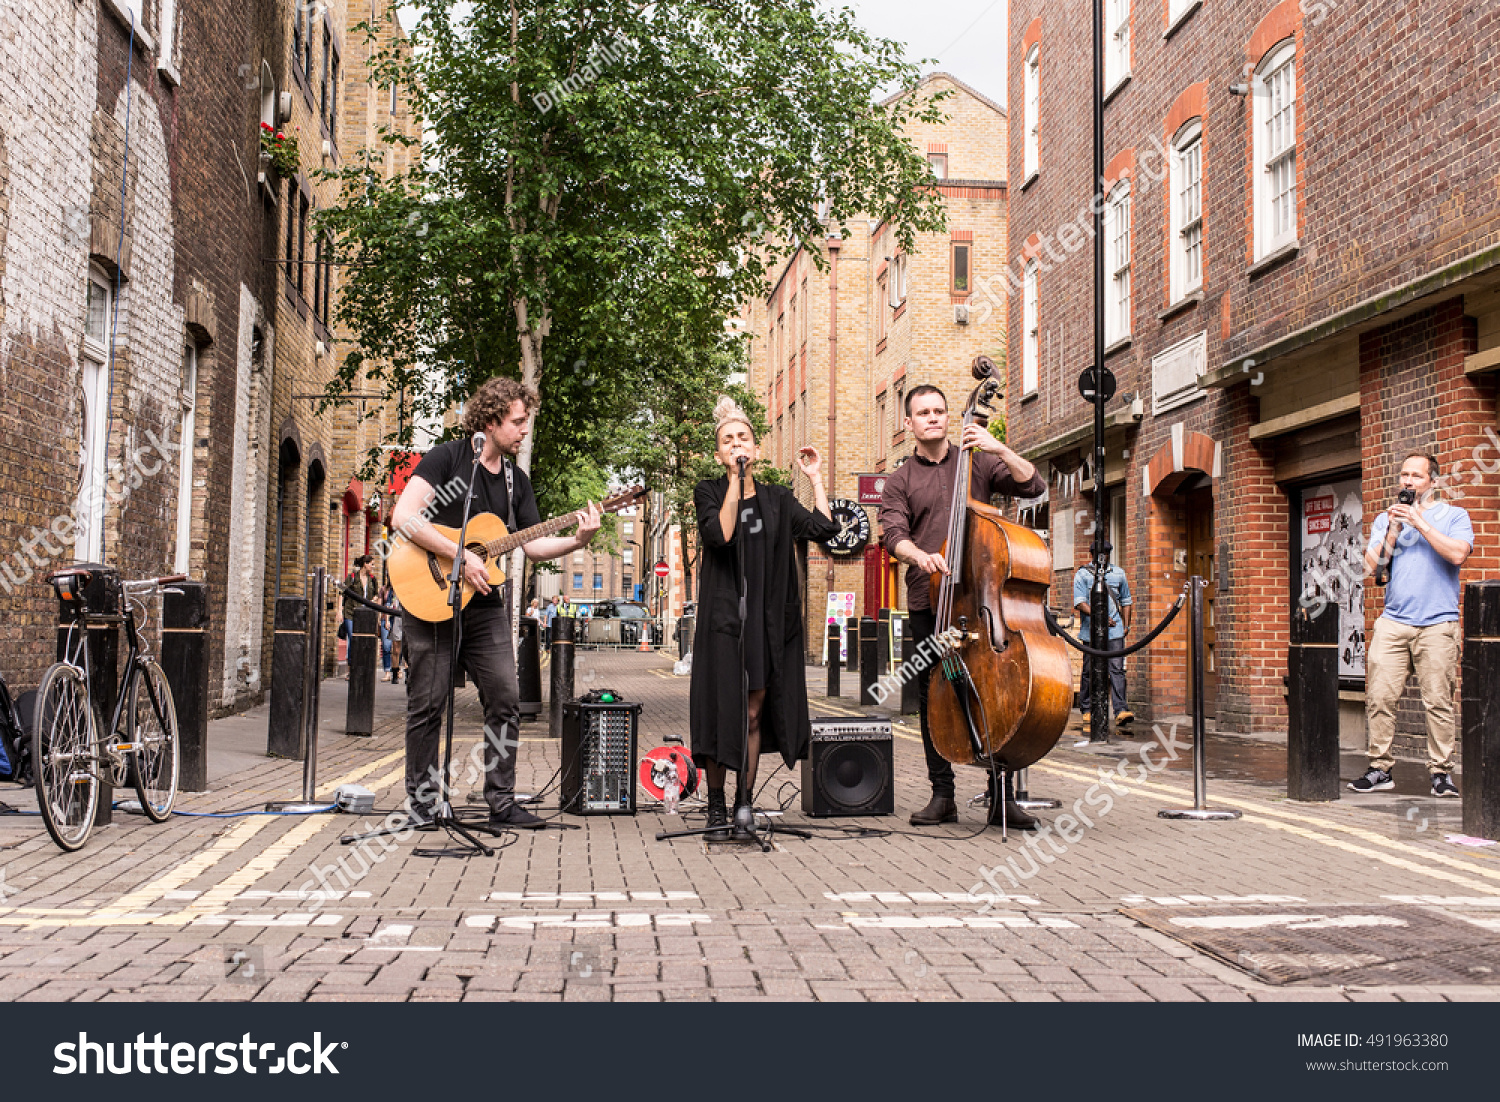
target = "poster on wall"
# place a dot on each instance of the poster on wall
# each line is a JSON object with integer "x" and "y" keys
{"x": 840, "y": 608}
{"x": 1333, "y": 563}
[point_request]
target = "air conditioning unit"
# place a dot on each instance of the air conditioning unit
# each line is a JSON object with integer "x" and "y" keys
{"x": 960, "y": 313}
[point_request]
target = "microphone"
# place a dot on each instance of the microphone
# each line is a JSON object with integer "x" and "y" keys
{"x": 478, "y": 443}
{"x": 740, "y": 461}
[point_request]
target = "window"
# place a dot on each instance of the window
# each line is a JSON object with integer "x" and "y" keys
{"x": 1275, "y": 96}
{"x": 1187, "y": 211}
{"x": 305, "y": 7}
{"x": 297, "y": 33}
{"x": 627, "y": 585}
{"x": 577, "y": 580}
{"x": 328, "y": 100}
{"x": 267, "y": 94}
{"x": 1117, "y": 265}
{"x": 165, "y": 33}
{"x": 806, "y": 312}
{"x": 627, "y": 528}
{"x": 301, "y": 243}
{"x": 317, "y": 302}
{"x": 395, "y": 101}
{"x": 898, "y": 281}
{"x": 627, "y": 556}
{"x": 792, "y": 309}
{"x": 291, "y": 230}
{"x": 1033, "y": 110}
{"x": 137, "y": 9}
{"x": 880, "y": 420}
{"x": 598, "y": 580}
{"x": 939, "y": 163}
{"x": 188, "y": 399}
{"x": 960, "y": 267}
{"x": 880, "y": 308}
{"x": 93, "y": 437}
{"x": 1031, "y": 335}
{"x": 1117, "y": 43}
{"x": 1176, "y": 9}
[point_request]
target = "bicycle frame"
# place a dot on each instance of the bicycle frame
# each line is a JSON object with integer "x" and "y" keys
{"x": 76, "y": 653}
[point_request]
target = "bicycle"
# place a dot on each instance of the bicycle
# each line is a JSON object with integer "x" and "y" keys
{"x": 71, "y": 757}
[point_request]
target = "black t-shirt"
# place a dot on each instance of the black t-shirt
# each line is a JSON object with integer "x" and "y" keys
{"x": 446, "y": 469}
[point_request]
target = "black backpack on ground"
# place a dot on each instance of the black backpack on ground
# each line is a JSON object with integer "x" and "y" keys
{"x": 15, "y": 738}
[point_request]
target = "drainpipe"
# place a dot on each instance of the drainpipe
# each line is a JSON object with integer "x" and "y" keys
{"x": 833, "y": 371}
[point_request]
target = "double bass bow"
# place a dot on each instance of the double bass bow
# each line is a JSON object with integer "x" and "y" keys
{"x": 1004, "y": 686}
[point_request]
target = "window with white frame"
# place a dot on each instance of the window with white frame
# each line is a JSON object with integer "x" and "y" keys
{"x": 185, "y": 458}
{"x": 1117, "y": 43}
{"x": 1117, "y": 264}
{"x": 166, "y": 30}
{"x": 627, "y": 556}
{"x": 1031, "y": 336}
{"x": 1275, "y": 100}
{"x": 898, "y": 281}
{"x": 939, "y": 163}
{"x": 627, "y": 529}
{"x": 1033, "y": 108}
{"x": 1187, "y": 211}
{"x": 93, "y": 443}
{"x": 1176, "y": 9}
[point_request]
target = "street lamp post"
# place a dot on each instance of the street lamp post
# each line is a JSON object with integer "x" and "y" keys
{"x": 1099, "y": 548}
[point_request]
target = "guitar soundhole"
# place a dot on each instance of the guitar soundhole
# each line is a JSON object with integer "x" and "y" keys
{"x": 437, "y": 575}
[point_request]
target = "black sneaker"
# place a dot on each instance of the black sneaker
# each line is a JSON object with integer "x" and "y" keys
{"x": 1375, "y": 780}
{"x": 515, "y": 817}
{"x": 420, "y": 816}
{"x": 1442, "y": 785}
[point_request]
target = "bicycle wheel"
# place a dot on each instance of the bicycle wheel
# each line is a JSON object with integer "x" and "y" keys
{"x": 151, "y": 727}
{"x": 64, "y": 756}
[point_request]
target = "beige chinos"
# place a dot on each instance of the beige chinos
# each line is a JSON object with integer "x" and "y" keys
{"x": 1395, "y": 650}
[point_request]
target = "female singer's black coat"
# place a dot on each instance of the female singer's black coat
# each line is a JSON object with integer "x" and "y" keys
{"x": 716, "y": 709}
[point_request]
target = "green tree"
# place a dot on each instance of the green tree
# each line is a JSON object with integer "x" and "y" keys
{"x": 597, "y": 176}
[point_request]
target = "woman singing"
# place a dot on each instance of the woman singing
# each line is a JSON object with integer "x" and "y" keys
{"x": 752, "y": 532}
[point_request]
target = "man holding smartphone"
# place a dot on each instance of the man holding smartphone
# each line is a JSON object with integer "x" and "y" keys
{"x": 1416, "y": 549}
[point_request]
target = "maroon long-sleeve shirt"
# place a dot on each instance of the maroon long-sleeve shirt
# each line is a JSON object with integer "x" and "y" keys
{"x": 917, "y": 499}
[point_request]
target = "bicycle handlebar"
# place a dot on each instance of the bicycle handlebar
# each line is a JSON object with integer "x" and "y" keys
{"x": 153, "y": 583}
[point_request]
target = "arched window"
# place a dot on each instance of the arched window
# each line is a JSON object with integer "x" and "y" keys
{"x": 1275, "y": 100}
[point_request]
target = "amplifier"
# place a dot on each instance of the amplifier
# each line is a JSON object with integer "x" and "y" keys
{"x": 599, "y": 761}
{"x": 850, "y": 768}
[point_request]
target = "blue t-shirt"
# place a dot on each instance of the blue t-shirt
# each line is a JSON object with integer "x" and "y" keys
{"x": 1423, "y": 589}
{"x": 1119, "y": 590}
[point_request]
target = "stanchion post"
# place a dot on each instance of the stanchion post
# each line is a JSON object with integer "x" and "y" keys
{"x": 288, "y": 678}
{"x": 1312, "y": 734}
{"x": 184, "y": 661}
{"x": 835, "y": 659}
{"x": 564, "y": 628}
{"x": 1481, "y": 710}
{"x": 909, "y": 679}
{"x": 364, "y": 648}
{"x": 529, "y": 669}
{"x": 869, "y": 663}
{"x": 1200, "y": 810}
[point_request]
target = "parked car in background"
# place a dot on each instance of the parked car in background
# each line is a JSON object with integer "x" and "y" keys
{"x": 620, "y": 623}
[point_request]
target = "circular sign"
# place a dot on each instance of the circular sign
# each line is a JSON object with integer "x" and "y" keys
{"x": 657, "y": 767}
{"x": 661, "y": 570}
{"x": 854, "y": 528}
{"x": 1088, "y": 383}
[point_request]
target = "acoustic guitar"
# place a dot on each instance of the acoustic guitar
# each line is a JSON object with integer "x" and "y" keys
{"x": 420, "y": 577}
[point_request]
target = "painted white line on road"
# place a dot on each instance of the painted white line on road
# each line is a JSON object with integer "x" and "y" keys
{"x": 930, "y": 897}
{"x": 591, "y": 897}
{"x": 1287, "y": 922}
{"x": 951, "y": 922}
{"x": 1446, "y": 900}
{"x": 584, "y": 921}
{"x": 1192, "y": 900}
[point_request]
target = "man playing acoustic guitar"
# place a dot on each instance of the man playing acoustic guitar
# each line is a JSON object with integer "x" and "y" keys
{"x": 501, "y": 409}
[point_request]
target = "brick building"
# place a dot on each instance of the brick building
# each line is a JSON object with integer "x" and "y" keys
{"x": 1302, "y": 254}
{"x": 834, "y": 351}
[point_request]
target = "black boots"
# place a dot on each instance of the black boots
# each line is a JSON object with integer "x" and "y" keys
{"x": 940, "y": 809}
{"x": 1016, "y": 818}
{"x": 718, "y": 816}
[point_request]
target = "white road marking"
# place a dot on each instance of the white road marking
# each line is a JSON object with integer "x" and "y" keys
{"x": 1288, "y": 922}
{"x": 584, "y": 920}
{"x": 1190, "y": 900}
{"x": 930, "y": 897}
{"x": 591, "y": 897}
{"x": 949, "y": 922}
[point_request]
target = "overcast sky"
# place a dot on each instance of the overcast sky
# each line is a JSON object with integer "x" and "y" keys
{"x": 967, "y": 37}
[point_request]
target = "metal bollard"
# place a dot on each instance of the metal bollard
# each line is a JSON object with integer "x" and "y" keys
{"x": 364, "y": 654}
{"x": 103, "y": 597}
{"x": 529, "y": 669}
{"x": 1200, "y": 811}
{"x": 909, "y": 679}
{"x": 883, "y": 638}
{"x": 851, "y": 633}
{"x": 869, "y": 664}
{"x": 564, "y": 628}
{"x": 184, "y": 660}
{"x": 288, "y": 678}
{"x": 1481, "y": 710}
{"x": 835, "y": 660}
{"x": 311, "y": 693}
{"x": 1312, "y": 736}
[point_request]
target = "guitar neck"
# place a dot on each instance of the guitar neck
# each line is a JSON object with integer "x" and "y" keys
{"x": 509, "y": 542}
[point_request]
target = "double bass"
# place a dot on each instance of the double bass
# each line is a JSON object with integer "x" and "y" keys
{"x": 1004, "y": 686}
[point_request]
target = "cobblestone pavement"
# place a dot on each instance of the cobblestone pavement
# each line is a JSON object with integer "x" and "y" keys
{"x": 211, "y": 908}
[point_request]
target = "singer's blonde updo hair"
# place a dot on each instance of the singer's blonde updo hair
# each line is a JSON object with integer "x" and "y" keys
{"x": 726, "y": 411}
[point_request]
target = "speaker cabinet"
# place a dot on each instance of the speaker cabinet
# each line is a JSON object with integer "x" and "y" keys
{"x": 850, "y": 768}
{"x": 598, "y": 752}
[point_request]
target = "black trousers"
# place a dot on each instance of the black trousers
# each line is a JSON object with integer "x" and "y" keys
{"x": 922, "y": 623}
{"x": 488, "y": 656}
{"x": 1116, "y": 682}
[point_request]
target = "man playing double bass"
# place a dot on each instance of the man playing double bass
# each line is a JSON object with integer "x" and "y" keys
{"x": 914, "y": 514}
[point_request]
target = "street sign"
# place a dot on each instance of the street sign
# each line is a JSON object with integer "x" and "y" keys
{"x": 854, "y": 528}
{"x": 1089, "y": 381}
{"x": 661, "y": 570}
{"x": 871, "y": 487}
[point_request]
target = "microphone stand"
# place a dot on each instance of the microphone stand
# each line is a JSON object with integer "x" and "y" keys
{"x": 445, "y": 818}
